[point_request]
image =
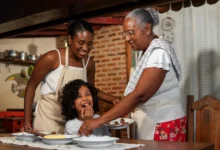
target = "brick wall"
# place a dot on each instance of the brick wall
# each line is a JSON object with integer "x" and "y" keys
{"x": 110, "y": 57}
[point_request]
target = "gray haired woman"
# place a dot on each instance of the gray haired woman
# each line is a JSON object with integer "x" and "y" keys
{"x": 152, "y": 96}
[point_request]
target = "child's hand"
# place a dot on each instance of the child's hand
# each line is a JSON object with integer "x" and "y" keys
{"x": 87, "y": 113}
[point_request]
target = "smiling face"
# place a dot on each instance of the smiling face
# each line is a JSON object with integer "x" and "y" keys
{"x": 81, "y": 44}
{"x": 83, "y": 100}
{"x": 136, "y": 35}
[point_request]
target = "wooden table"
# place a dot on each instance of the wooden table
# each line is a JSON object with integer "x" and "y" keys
{"x": 149, "y": 145}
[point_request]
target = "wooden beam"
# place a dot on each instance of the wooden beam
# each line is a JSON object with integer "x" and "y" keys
{"x": 50, "y": 32}
{"x": 80, "y": 9}
{"x": 106, "y": 20}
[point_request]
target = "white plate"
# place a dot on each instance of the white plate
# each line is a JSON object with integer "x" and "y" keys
{"x": 24, "y": 136}
{"x": 112, "y": 125}
{"x": 67, "y": 140}
{"x": 95, "y": 142}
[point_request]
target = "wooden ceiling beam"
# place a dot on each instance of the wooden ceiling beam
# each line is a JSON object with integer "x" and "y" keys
{"x": 106, "y": 20}
{"x": 79, "y": 9}
{"x": 50, "y": 32}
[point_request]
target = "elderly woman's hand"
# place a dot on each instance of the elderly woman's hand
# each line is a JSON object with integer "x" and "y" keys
{"x": 116, "y": 101}
{"x": 88, "y": 126}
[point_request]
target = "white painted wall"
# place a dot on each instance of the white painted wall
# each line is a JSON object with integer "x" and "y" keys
{"x": 31, "y": 46}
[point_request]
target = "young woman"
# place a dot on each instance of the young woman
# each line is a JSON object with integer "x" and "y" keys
{"x": 56, "y": 68}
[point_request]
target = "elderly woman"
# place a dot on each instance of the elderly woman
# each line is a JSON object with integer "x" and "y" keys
{"x": 152, "y": 95}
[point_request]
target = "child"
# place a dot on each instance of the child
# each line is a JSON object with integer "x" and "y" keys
{"x": 79, "y": 102}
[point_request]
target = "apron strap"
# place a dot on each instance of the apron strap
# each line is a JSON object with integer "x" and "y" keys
{"x": 85, "y": 65}
{"x": 62, "y": 73}
{"x": 66, "y": 57}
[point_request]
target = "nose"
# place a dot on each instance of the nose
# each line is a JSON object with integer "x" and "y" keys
{"x": 127, "y": 38}
{"x": 85, "y": 47}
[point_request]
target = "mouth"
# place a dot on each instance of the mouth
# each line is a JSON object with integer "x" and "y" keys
{"x": 83, "y": 53}
{"x": 84, "y": 105}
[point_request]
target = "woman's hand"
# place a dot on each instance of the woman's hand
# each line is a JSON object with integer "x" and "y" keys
{"x": 88, "y": 126}
{"x": 116, "y": 101}
{"x": 26, "y": 127}
{"x": 87, "y": 113}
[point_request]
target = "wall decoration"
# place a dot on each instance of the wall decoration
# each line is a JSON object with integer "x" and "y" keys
{"x": 21, "y": 79}
{"x": 167, "y": 26}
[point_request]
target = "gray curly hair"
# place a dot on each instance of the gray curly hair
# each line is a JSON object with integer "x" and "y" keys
{"x": 144, "y": 16}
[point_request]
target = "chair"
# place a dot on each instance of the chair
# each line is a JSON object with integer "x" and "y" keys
{"x": 207, "y": 120}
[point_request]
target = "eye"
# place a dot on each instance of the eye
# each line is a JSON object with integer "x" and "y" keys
{"x": 88, "y": 94}
{"x": 81, "y": 42}
{"x": 131, "y": 32}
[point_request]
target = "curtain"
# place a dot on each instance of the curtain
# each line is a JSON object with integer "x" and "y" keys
{"x": 194, "y": 33}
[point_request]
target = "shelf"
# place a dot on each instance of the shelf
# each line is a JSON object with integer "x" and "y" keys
{"x": 17, "y": 61}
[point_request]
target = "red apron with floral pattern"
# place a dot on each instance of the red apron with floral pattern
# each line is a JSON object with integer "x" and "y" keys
{"x": 174, "y": 130}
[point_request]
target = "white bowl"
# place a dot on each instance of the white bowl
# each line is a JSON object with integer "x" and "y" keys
{"x": 62, "y": 141}
{"x": 95, "y": 142}
{"x": 24, "y": 136}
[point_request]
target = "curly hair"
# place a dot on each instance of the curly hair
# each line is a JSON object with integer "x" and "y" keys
{"x": 70, "y": 93}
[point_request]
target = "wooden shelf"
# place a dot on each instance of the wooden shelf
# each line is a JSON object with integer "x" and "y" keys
{"x": 17, "y": 61}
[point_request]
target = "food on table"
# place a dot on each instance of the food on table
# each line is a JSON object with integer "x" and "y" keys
{"x": 54, "y": 136}
{"x": 116, "y": 123}
{"x": 122, "y": 120}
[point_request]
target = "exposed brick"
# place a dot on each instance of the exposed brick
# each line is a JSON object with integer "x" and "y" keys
{"x": 117, "y": 87}
{"x": 105, "y": 41}
{"x": 111, "y": 84}
{"x": 105, "y": 60}
{"x": 111, "y": 74}
{"x": 116, "y": 58}
{"x": 101, "y": 84}
{"x": 100, "y": 75}
{"x": 116, "y": 39}
{"x": 122, "y": 73}
{"x": 112, "y": 64}
{"x": 112, "y": 44}
{"x": 106, "y": 69}
{"x": 106, "y": 88}
{"x": 110, "y": 35}
{"x": 106, "y": 79}
{"x": 97, "y": 81}
{"x": 100, "y": 46}
{"x": 100, "y": 37}
{"x": 100, "y": 56}
{"x": 122, "y": 53}
{"x": 101, "y": 65}
{"x": 96, "y": 42}
{"x": 111, "y": 55}
{"x": 116, "y": 78}
{"x": 116, "y": 68}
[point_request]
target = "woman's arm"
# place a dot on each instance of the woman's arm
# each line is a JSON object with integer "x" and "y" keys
{"x": 44, "y": 65}
{"x": 148, "y": 84}
{"x": 91, "y": 79}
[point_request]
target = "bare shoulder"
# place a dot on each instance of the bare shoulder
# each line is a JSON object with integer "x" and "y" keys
{"x": 50, "y": 58}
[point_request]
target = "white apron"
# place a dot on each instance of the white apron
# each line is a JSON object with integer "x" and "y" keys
{"x": 48, "y": 116}
{"x": 148, "y": 114}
